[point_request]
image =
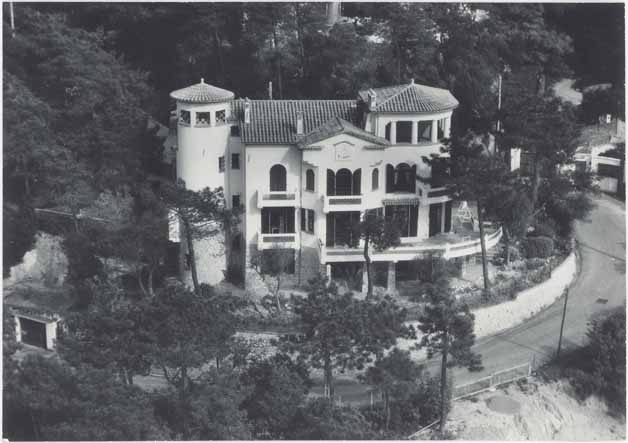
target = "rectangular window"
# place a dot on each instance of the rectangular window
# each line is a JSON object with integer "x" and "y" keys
{"x": 184, "y": 117}
{"x": 235, "y": 161}
{"x": 202, "y": 119}
{"x": 310, "y": 221}
{"x": 235, "y": 131}
{"x": 278, "y": 220}
{"x": 221, "y": 164}
{"x": 307, "y": 220}
{"x": 425, "y": 131}
{"x": 404, "y": 132}
{"x": 441, "y": 128}
{"x": 406, "y": 216}
{"x": 221, "y": 117}
{"x": 235, "y": 201}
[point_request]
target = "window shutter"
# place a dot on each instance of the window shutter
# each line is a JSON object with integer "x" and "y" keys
{"x": 357, "y": 182}
{"x": 331, "y": 183}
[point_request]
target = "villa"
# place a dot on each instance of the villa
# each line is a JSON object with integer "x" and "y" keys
{"x": 304, "y": 170}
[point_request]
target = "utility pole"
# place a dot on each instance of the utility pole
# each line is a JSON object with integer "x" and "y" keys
{"x": 562, "y": 324}
{"x": 499, "y": 100}
{"x": 12, "y": 19}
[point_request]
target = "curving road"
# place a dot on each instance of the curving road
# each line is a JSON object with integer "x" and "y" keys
{"x": 599, "y": 286}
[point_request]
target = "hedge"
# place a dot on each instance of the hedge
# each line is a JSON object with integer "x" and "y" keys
{"x": 542, "y": 247}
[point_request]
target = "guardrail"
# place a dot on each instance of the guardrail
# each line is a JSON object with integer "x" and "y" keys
{"x": 491, "y": 381}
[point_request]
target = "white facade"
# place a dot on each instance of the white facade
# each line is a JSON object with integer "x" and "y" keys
{"x": 301, "y": 189}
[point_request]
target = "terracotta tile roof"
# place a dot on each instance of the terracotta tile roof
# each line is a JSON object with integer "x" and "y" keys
{"x": 411, "y": 98}
{"x": 274, "y": 121}
{"x": 336, "y": 126}
{"x": 202, "y": 93}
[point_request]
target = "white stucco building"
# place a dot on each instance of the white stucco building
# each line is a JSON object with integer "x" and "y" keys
{"x": 303, "y": 170}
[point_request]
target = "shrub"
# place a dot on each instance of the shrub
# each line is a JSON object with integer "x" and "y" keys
{"x": 603, "y": 369}
{"x": 542, "y": 247}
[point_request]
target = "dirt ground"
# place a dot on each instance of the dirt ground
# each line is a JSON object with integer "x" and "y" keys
{"x": 534, "y": 411}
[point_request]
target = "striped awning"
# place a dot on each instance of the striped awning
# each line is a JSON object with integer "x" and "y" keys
{"x": 408, "y": 201}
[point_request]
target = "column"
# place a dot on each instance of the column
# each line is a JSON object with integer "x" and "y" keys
{"x": 365, "y": 279}
{"x": 442, "y": 218}
{"x": 447, "y": 127}
{"x": 434, "y": 134}
{"x": 392, "y": 277}
{"x": 393, "y": 132}
{"x": 328, "y": 273}
{"x": 415, "y": 132}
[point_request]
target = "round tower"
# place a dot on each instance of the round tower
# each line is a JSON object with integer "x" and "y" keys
{"x": 203, "y": 113}
{"x": 203, "y": 131}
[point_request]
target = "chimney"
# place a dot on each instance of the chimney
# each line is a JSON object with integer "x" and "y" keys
{"x": 372, "y": 95}
{"x": 299, "y": 122}
{"x": 247, "y": 111}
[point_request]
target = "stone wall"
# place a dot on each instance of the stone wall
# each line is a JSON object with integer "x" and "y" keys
{"x": 491, "y": 320}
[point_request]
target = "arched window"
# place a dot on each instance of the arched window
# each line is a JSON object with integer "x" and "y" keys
{"x": 278, "y": 178}
{"x": 375, "y": 179}
{"x": 404, "y": 180}
{"x": 343, "y": 182}
{"x": 357, "y": 182}
{"x": 309, "y": 180}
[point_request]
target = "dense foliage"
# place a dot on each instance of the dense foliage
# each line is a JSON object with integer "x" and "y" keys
{"x": 600, "y": 368}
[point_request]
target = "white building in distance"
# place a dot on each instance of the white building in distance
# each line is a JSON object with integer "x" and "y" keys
{"x": 305, "y": 170}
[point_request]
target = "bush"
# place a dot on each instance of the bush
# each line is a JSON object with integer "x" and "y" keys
{"x": 605, "y": 370}
{"x": 542, "y": 247}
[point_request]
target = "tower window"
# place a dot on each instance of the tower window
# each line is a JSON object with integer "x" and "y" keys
{"x": 221, "y": 164}
{"x": 221, "y": 117}
{"x": 425, "y": 131}
{"x": 404, "y": 132}
{"x": 184, "y": 117}
{"x": 202, "y": 119}
{"x": 235, "y": 161}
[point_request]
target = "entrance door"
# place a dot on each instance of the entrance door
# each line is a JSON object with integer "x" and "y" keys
{"x": 436, "y": 216}
{"x": 33, "y": 332}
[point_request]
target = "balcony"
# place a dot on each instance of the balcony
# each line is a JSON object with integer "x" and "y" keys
{"x": 338, "y": 203}
{"x": 282, "y": 240}
{"x": 449, "y": 244}
{"x": 276, "y": 199}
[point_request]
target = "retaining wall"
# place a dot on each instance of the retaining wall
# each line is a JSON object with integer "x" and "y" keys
{"x": 493, "y": 319}
{"x": 497, "y": 318}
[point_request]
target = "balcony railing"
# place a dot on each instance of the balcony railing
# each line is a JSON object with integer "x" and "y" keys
{"x": 282, "y": 240}
{"x": 412, "y": 251}
{"x": 336, "y": 203}
{"x": 276, "y": 199}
